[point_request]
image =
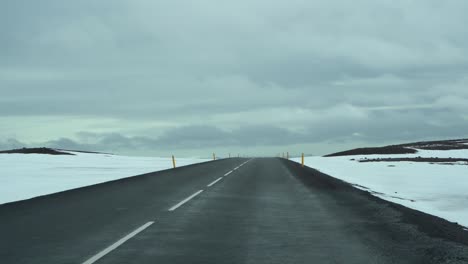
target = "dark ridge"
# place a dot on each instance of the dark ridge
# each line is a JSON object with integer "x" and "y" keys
{"x": 375, "y": 151}
{"x": 48, "y": 151}
{"x": 407, "y": 148}
{"x": 439, "y": 145}
{"x": 417, "y": 159}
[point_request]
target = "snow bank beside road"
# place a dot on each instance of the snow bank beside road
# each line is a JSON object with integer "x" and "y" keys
{"x": 437, "y": 189}
{"x": 24, "y": 176}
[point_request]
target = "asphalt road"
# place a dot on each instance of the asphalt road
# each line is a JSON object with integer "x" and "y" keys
{"x": 265, "y": 211}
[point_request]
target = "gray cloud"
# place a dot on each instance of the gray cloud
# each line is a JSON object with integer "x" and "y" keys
{"x": 11, "y": 144}
{"x": 186, "y": 75}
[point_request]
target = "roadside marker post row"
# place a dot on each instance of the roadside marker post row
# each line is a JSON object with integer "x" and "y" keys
{"x": 214, "y": 158}
{"x": 287, "y": 157}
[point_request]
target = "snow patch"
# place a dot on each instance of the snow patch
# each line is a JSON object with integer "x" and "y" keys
{"x": 24, "y": 176}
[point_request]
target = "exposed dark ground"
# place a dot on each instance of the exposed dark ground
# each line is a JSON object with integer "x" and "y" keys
{"x": 48, "y": 151}
{"x": 439, "y": 145}
{"x": 417, "y": 159}
{"x": 268, "y": 211}
{"x": 375, "y": 151}
{"x": 407, "y": 148}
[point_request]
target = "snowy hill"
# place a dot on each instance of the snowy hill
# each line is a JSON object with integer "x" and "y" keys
{"x": 27, "y": 175}
{"x": 433, "y": 180}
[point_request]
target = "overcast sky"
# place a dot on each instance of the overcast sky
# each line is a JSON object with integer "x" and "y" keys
{"x": 258, "y": 77}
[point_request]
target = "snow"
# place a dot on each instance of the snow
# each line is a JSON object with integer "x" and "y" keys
{"x": 436, "y": 189}
{"x": 24, "y": 176}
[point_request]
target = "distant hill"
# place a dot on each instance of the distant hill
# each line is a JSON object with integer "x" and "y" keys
{"x": 408, "y": 148}
{"x": 48, "y": 151}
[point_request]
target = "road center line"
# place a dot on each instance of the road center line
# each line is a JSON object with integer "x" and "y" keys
{"x": 185, "y": 200}
{"x": 117, "y": 244}
{"x": 217, "y": 180}
{"x": 143, "y": 227}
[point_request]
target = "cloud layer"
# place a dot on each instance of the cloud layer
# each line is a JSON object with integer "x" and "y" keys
{"x": 146, "y": 76}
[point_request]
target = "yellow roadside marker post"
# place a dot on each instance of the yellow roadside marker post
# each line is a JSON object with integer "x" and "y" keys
{"x": 302, "y": 160}
{"x": 214, "y": 156}
{"x": 173, "y": 162}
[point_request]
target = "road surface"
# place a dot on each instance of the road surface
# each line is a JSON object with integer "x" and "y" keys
{"x": 263, "y": 210}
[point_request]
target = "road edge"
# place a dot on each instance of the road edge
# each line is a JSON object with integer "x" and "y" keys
{"x": 433, "y": 226}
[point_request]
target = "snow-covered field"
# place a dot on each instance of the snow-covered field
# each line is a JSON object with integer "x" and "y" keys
{"x": 23, "y": 176}
{"x": 437, "y": 189}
